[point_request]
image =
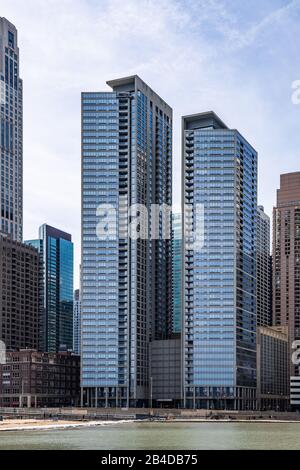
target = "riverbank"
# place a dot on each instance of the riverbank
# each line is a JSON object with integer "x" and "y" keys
{"x": 47, "y": 425}
{"x": 159, "y": 436}
{"x": 63, "y": 418}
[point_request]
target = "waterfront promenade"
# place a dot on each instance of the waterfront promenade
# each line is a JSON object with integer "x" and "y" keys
{"x": 27, "y": 417}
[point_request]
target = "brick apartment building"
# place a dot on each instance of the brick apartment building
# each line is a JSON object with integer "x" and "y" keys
{"x": 19, "y": 295}
{"x": 34, "y": 379}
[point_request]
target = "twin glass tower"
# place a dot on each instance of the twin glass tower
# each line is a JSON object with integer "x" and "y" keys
{"x": 127, "y": 286}
{"x": 219, "y": 170}
{"x": 126, "y": 281}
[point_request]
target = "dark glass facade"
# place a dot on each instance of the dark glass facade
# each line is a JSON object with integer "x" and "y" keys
{"x": 77, "y": 322}
{"x": 264, "y": 269}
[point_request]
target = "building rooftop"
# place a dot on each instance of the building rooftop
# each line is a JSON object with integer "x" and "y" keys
{"x": 203, "y": 120}
{"x": 119, "y": 82}
{"x": 289, "y": 191}
{"x": 54, "y": 232}
{"x": 133, "y": 83}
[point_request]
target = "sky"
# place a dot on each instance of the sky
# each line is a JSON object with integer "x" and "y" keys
{"x": 239, "y": 58}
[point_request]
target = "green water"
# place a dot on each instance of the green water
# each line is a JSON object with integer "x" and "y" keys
{"x": 169, "y": 436}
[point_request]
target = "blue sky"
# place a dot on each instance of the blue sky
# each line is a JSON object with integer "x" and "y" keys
{"x": 236, "y": 57}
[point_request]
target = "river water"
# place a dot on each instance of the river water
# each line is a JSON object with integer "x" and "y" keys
{"x": 155, "y": 436}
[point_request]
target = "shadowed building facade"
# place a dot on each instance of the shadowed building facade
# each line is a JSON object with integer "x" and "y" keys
{"x": 273, "y": 368}
{"x": 264, "y": 269}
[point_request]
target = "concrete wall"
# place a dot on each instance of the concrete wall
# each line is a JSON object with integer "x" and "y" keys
{"x": 165, "y": 370}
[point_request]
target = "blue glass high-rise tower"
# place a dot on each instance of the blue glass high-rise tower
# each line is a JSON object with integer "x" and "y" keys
{"x": 126, "y": 296}
{"x": 219, "y": 327}
{"x": 56, "y": 288}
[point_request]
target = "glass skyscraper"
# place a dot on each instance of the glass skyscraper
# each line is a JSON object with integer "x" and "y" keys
{"x": 126, "y": 283}
{"x": 219, "y": 265}
{"x": 177, "y": 273}
{"x": 56, "y": 288}
{"x": 11, "y": 133}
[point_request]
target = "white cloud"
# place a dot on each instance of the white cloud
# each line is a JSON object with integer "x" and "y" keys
{"x": 277, "y": 17}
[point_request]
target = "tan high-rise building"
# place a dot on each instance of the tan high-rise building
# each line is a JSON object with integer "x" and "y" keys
{"x": 286, "y": 255}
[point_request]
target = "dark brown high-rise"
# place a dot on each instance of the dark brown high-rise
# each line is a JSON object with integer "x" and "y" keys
{"x": 19, "y": 270}
{"x": 286, "y": 255}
